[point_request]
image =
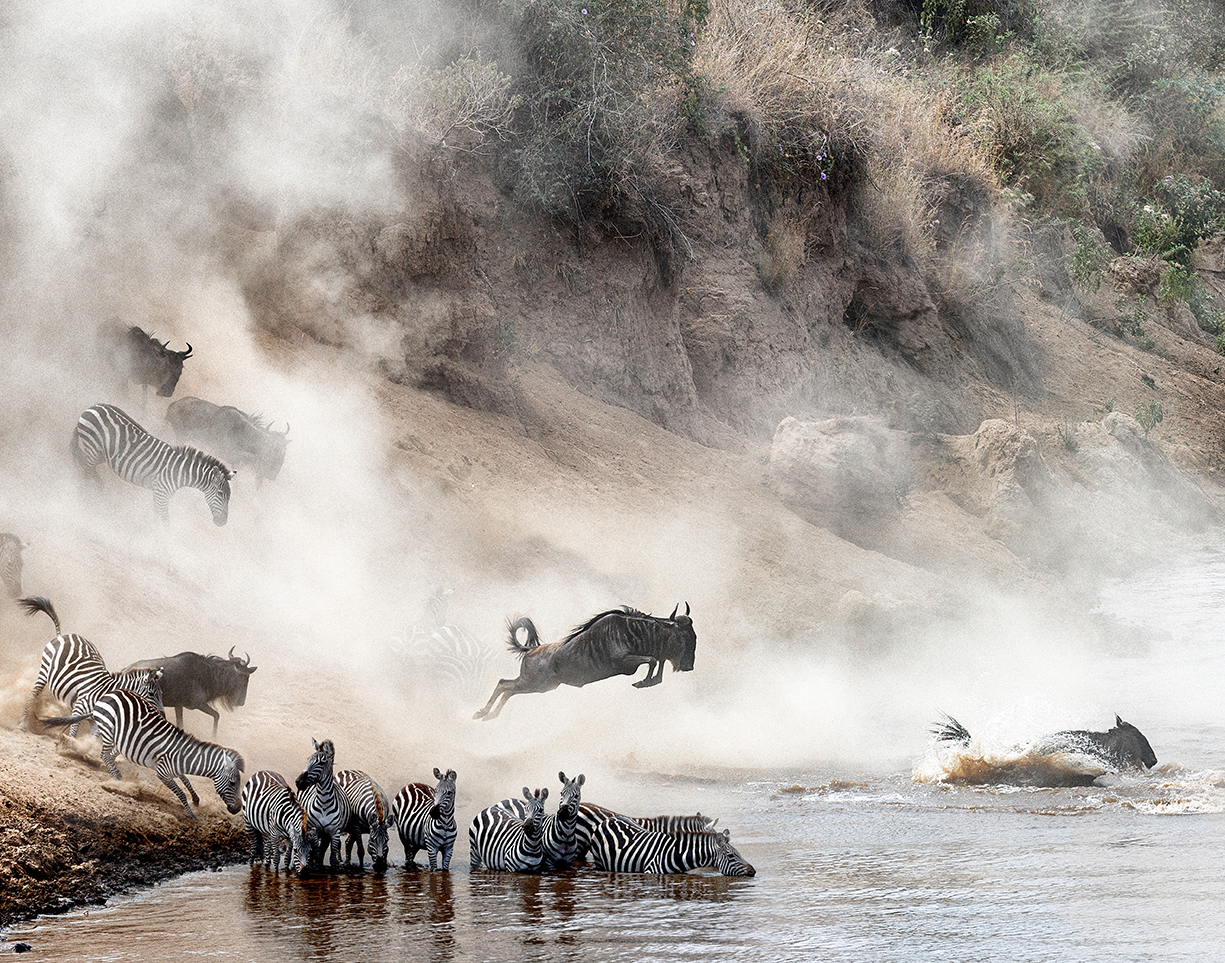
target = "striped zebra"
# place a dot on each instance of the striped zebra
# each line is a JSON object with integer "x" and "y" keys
{"x": 129, "y": 725}
{"x": 501, "y": 840}
{"x": 369, "y": 813}
{"x": 11, "y": 548}
{"x": 425, "y": 819}
{"x": 72, "y": 670}
{"x": 590, "y": 815}
{"x": 558, "y": 832}
{"x": 327, "y": 810}
{"x": 619, "y": 847}
{"x": 444, "y": 658}
{"x": 104, "y": 433}
{"x": 272, "y": 813}
{"x": 676, "y": 824}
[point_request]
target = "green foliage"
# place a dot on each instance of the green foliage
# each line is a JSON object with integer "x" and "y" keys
{"x": 1150, "y": 414}
{"x": 1186, "y": 213}
{"x": 1087, "y": 265}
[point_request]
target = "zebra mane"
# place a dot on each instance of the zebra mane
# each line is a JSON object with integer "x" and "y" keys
{"x": 211, "y": 460}
{"x": 625, "y": 612}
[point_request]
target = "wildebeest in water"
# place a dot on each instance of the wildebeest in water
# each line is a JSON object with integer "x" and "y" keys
{"x": 617, "y": 642}
{"x": 194, "y": 681}
{"x": 1044, "y": 763}
{"x": 139, "y": 358}
{"x": 237, "y": 438}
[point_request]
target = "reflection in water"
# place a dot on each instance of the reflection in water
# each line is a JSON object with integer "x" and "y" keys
{"x": 424, "y": 901}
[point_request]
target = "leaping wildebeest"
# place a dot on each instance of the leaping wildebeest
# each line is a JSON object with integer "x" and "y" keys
{"x": 617, "y": 642}
{"x": 237, "y": 438}
{"x": 1121, "y": 747}
{"x": 139, "y": 358}
{"x": 193, "y": 681}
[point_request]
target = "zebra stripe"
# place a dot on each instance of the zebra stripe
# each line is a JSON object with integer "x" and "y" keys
{"x": 676, "y": 824}
{"x": 589, "y": 816}
{"x": 558, "y": 834}
{"x": 72, "y": 670}
{"x": 502, "y": 841}
{"x": 272, "y": 812}
{"x": 619, "y": 847}
{"x": 104, "y": 433}
{"x": 327, "y": 810}
{"x": 128, "y": 725}
{"x": 425, "y": 819}
{"x": 369, "y": 813}
{"x": 10, "y": 563}
{"x": 445, "y": 659}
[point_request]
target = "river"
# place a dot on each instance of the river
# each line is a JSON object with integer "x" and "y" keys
{"x": 885, "y": 865}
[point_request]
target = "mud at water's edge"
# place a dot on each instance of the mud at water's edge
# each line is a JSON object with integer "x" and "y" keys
{"x": 67, "y": 839}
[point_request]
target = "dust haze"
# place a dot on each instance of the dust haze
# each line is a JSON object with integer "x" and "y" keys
{"x": 148, "y": 154}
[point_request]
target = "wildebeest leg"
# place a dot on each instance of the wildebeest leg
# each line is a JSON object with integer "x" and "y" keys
{"x": 654, "y": 676}
{"x": 178, "y": 716}
{"x": 501, "y": 691}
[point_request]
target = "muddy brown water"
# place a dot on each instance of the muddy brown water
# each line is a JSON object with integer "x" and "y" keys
{"x": 887, "y": 864}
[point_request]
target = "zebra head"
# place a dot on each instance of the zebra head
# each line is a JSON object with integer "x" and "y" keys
{"x": 727, "y": 860}
{"x": 533, "y": 819}
{"x": 444, "y": 795}
{"x": 216, "y": 490}
{"x": 228, "y": 781}
{"x": 319, "y": 765}
{"x": 571, "y": 797}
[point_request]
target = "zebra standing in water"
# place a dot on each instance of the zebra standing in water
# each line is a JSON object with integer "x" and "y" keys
{"x": 72, "y": 670}
{"x": 272, "y": 812}
{"x": 369, "y": 812}
{"x": 11, "y": 548}
{"x": 503, "y": 841}
{"x": 558, "y": 832}
{"x": 128, "y": 725}
{"x": 590, "y": 815}
{"x": 425, "y": 819}
{"x": 327, "y": 810}
{"x": 620, "y": 847}
{"x": 104, "y": 433}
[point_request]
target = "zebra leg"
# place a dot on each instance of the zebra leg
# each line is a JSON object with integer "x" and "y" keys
{"x": 108, "y": 757}
{"x": 194, "y": 798}
{"x": 257, "y": 844}
{"x": 167, "y": 778}
{"x": 25, "y": 716}
{"x": 446, "y": 856}
{"x": 161, "y": 501}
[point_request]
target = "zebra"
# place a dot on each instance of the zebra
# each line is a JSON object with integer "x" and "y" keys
{"x": 272, "y": 812}
{"x": 73, "y": 671}
{"x": 129, "y": 725}
{"x": 590, "y": 815}
{"x": 621, "y": 848}
{"x": 676, "y": 824}
{"x": 104, "y": 433}
{"x": 327, "y": 809}
{"x": 503, "y": 841}
{"x": 425, "y": 819}
{"x": 444, "y": 657}
{"x": 558, "y": 832}
{"x": 369, "y": 812}
{"x": 11, "y": 548}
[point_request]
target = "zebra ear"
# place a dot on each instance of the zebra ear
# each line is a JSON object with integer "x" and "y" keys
{"x": 314, "y": 743}
{"x": 451, "y": 774}
{"x": 581, "y": 779}
{"x": 527, "y": 794}
{"x": 562, "y": 777}
{"x": 544, "y": 794}
{"x": 437, "y": 774}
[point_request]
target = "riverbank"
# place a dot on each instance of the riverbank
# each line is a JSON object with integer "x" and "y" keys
{"x": 70, "y": 835}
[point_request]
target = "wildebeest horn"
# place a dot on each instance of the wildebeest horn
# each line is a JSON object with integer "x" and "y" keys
{"x": 286, "y": 431}
{"x": 686, "y": 609}
{"x": 185, "y": 354}
{"x": 673, "y": 615}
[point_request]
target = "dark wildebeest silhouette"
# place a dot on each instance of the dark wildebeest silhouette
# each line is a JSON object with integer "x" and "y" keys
{"x": 617, "y": 642}
{"x": 1121, "y": 747}
{"x": 11, "y": 548}
{"x": 193, "y": 681}
{"x": 139, "y": 358}
{"x": 237, "y": 438}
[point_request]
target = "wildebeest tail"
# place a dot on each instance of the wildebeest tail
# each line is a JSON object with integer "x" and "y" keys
{"x": 950, "y": 731}
{"x": 36, "y": 603}
{"x": 58, "y": 721}
{"x": 513, "y": 643}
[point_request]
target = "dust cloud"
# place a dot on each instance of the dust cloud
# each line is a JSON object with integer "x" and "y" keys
{"x": 141, "y": 144}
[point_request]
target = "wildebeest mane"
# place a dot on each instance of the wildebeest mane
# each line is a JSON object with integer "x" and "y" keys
{"x": 625, "y": 611}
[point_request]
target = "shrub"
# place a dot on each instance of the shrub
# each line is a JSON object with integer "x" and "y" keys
{"x": 1149, "y": 414}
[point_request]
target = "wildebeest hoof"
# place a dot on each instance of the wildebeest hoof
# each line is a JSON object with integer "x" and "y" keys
{"x": 646, "y": 683}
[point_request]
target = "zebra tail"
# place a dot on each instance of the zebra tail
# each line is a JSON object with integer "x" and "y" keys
{"x": 37, "y": 603}
{"x": 65, "y": 720}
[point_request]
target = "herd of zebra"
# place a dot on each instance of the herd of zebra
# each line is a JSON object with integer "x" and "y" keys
{"x": 514, "y": 835}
